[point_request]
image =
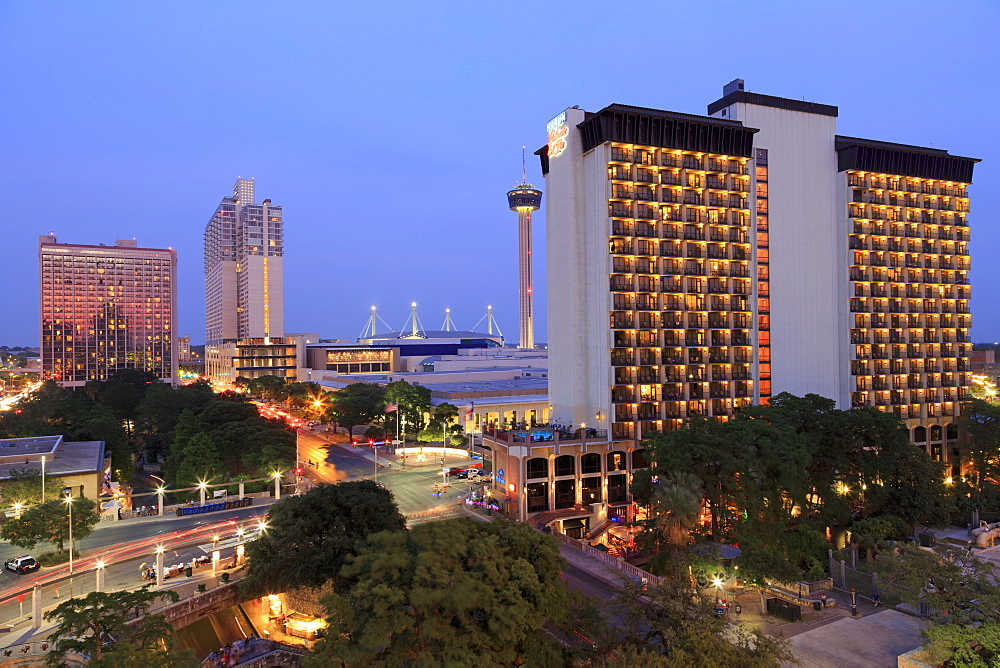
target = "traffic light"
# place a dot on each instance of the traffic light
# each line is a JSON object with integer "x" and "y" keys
{"x": 298, "y": 471}
{"x": 354, "y": 443}
{"x": 371, "y": 442}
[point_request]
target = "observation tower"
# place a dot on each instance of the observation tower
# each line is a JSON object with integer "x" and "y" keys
{"x": 524, "y": 199}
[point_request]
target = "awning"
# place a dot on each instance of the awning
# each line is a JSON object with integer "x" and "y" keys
{"x": 574, "y": 524}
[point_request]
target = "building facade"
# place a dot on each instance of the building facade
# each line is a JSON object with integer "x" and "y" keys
{"x": 105, "y": 308}
{"x": 244, "y": 273}
{"x": 699, "y": 264}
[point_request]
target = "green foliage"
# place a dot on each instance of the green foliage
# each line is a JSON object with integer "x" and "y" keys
{"x": 321, "y": 529}
{"x": 414, "y": 402}
{"x": 96, "y": 626}
{"x": 674, "y": 500}
{"x": 981, "y": 451}
{"x": 882, "y": 528}
{"x": 672, "y": 625}
{"x": 963, "y": 646}
{"x": 49, "y": 521}
{"x": 958, "y": 587}
{"x": 776, "y": 476}
{"x": 356, "y": 404}
{"x": 25, "y": 487}
{"x": 448, "y": 593}
{"x": 267, "y": 388}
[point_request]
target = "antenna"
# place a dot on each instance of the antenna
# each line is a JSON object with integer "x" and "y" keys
{"x": 524, "y": 168}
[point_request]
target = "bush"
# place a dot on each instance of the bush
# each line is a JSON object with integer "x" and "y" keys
{"x": 881, "y": 528}
{"x": 55, "y": 558}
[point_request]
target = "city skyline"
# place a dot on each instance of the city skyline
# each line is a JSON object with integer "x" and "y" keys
{"x": 370, "y": 224}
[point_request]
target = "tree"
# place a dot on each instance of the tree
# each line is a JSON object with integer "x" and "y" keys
{"x": 674, "y": 502}
{"x": 414, "y": 402}
{"x": 957, "y": 645}
{"x": 672, "y": 625}
{"x": 24, "y": 486}
{"x": 268, "y": 388}
{"x": 320, "y": 528}
{"x": 199, "y": 461}
{"x": 981, "y": 422}
{"x": 457, "y": 592}
{"x": 356, "y": 404}
{"x": 100, "y": 626}
{"x": 50, "y": 521}
{"x": 957, "y": 586}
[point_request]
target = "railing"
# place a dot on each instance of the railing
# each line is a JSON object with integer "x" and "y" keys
{"x": 615, "y": 562}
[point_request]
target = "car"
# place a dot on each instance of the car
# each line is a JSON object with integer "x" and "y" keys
{"x": 23, "y": 564}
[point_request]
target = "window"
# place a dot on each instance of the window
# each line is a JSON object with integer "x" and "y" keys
{"x": 590, "y": 463}
{"x": 538, "y": 468}
{"x": 639, "y": 459}
{"x": 616, "y": 461}
{"x": 565, "y": 465}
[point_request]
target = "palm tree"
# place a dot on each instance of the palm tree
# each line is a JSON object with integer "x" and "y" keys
{"x": 674, "y": 508}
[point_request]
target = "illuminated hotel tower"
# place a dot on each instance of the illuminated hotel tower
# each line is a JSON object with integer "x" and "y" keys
{"x": 106, "y": 308}
{"x": 698, "y": 264}
{"x": 524, "y": 199}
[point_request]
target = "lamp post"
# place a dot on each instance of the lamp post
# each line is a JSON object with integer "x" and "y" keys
{"x": 159, "y": 501}
{"x": 718, "y": 583}
{"x": 100, "y": 576}
{"x": 277, "y": 485}
{"x": 69, "y": 502}
{"x": 202, "y": 487}
{"x": 17, "y": 510}
{"x": 43, "y": 478}
{"x": 159, "y": 565}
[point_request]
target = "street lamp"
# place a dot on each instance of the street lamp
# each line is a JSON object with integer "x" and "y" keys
{"x": 159, "y": 565}
{"x": 277, "y": 485}
{"x": 69, "y": 502}
{"x": 717, "y": 581}
{"x": 202, "y": 488}
{"x": 159, "y": 500}
{"x": 100, "y": 576}
{"x": 43, "y": 478}
{"x": 17, "y": 510}
{"x": 262, "y": 526}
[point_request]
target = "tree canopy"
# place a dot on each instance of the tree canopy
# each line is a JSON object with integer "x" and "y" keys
{"x": 455, "y": 593}
{"x": 774, "y": 477}
{"x": 49, "y": 521}
{"x": 100, "y": 626}
{"x": 311, "y": 535}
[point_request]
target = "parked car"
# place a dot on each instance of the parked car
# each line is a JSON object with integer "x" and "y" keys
{"x": 23, "y": 564}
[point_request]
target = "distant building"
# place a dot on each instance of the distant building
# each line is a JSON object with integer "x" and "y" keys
{"x": 183, "y": 348}
{"x": 251, "y": 358}
{"x": 244, "y": 268}
{"x": 244, "y": 278}
{"x": 105, "y": 308}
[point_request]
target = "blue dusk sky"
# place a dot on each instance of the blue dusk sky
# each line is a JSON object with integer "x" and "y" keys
{"x": 391, "y": 131}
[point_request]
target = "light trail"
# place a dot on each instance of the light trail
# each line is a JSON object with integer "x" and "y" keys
{"x": 8, "y": 403}
{"x": 117, "y": 554}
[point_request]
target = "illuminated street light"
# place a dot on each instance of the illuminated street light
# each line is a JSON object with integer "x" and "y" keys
{"x": 69, "y": 502}
{"x": 277, "y": 485}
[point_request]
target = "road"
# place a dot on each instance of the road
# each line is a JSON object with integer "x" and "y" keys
{"x": 128, "y": 536}
{"x": 124, "y": 561}
{"x": 413, "y": 487}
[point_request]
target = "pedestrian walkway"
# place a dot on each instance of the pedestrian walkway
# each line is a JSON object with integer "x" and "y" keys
{"x": 875, "y": 640}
